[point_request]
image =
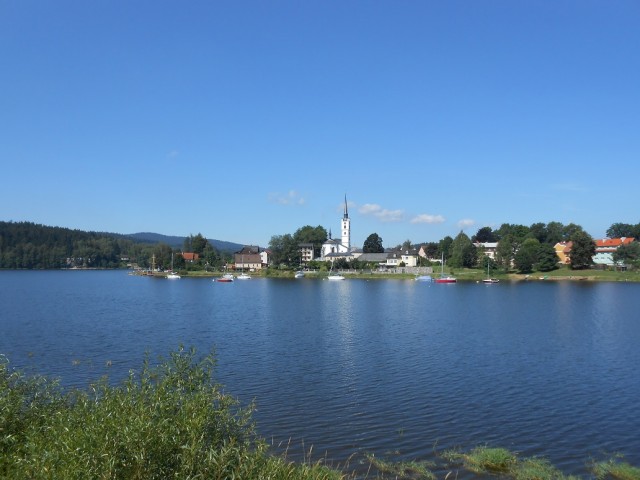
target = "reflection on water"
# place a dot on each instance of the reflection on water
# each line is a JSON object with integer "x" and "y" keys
{"x": 541, "y": 368}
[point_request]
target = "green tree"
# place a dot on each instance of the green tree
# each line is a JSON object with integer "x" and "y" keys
{"x": 406, "y": 245}
{"x": 554, "y": 232}
{"x": 628, "y": 254}
{"x": 570, "y": 230}
{"x": 504, "y": 253}
{"x": 527, "y": 255}
{"x": 314, "y": 235}
{"x": 619, "y": 230}
{"x": 445, "y": 247}
{"x": 538, "y": 231}
{"x": 582, "y": 250}
{"x": 284, "y": 250}
{"x": 463, "y": 252}
{"x": 547, "y": 258}
{"x": 373, "y": 244}
{"x": 198, "y": 244}
{"x": 485, "y": 235}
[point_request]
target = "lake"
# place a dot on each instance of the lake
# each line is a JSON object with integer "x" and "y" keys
{"x": 397, "y": 368}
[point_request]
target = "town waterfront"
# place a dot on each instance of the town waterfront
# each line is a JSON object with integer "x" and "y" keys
{"x": 397, "y": 368}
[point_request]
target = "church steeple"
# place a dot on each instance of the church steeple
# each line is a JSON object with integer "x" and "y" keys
{"x": 346, "y": 228}
{"x": 346, "y": 211}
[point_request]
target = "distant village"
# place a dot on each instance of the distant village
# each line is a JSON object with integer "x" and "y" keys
{"x": 253, "y": 258}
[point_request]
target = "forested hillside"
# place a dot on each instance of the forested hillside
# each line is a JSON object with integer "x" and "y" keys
{"x": 25, "y": 245}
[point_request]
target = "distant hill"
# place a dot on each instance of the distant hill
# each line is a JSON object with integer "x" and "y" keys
{"x": 177, "y": 242}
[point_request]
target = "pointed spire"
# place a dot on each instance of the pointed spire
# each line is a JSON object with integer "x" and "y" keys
{"x": 346, "y": 212}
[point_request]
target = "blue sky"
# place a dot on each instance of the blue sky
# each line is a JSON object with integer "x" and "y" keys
{"x": 243, "y": 120}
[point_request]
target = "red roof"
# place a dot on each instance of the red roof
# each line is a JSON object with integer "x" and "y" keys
{"x": 614, "y": 242}
{"x": 190, "y": 256}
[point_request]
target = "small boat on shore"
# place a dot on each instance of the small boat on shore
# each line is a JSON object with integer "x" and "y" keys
{"x": 226, "y": 278}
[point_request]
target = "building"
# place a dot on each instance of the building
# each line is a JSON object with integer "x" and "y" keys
{"x": 190, "y": 257}
{"x": 334, "y": 248}
{"x": 489, "y": 248}
{"x": 306, "y": 252}
{"x": 563, "y": 252}
{"x": 249, "y": 258}
{"x": 606, "y": 247}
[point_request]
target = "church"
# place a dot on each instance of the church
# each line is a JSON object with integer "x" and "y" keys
{"x": 339, "y": 248}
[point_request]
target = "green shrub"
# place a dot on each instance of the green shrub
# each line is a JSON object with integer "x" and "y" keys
{"x": 169, "y": 421}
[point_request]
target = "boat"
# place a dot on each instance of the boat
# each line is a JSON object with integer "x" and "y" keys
{"x": 445, "y": 278}
{"x": 424, "y": 278}
{"x": 172, "y": 275}
{"x": 334, "y": 276}
{"x": 243, "y": 276}
{"x": 299, "y": 274}
{"x": 489, "y": 280}
{"x": 226, "y": 278}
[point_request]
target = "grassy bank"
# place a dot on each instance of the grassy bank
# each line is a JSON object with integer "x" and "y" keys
{"x": 172, "y": 420}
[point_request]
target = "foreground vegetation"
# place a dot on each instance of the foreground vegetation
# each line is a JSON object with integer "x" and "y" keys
{"x": 173, "y": 421}
{"x": 170, "y": 421}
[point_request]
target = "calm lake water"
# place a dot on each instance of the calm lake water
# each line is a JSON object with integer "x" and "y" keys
{"x": 397, "y": 368}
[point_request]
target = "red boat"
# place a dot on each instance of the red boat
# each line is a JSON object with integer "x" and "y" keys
{"x": 447, "y": 279}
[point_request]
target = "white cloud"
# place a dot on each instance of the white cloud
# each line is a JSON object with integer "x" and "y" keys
{"x": 426, "y": 218}
{"x": 173, "y": 154}
{"x": 291, "y": 198}
{"x": 466, "y": 223}
{"x": 382, "y": 214}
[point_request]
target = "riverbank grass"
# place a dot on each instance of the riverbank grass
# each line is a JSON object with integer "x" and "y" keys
{"x": 615, "y": 468}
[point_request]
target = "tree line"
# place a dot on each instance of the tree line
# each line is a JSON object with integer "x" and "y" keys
{"x": 26, "y": 245}
{"x": 520, "y": 247}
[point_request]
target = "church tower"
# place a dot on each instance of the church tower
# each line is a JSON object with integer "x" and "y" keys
{"x": 346, "y": 227}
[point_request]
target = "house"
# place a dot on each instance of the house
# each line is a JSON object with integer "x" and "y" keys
{"x": 563, "y": 252}
{"x": 489, "y": 248}
{"x": 606, "y": 247}
{"x": 306, "y": 252}
{"x": 249, "y": 258}
{"x": 190, "y": 257}
{"x": 378, "y": 258}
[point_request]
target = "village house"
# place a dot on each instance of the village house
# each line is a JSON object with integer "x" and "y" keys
{"x": 306, "y": 253}
{"x": 489, "y": 248}
{"x": 249, "y": 258}
{"x": 563, "y": 252}
{"x": 606, "y": 247}
{"x": 190, "y": 257}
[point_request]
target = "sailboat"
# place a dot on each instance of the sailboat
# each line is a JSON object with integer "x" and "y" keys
{"x": 444, "y": 278}
{"x": 489, "y": 280}
{"x": 172, "y": 275}
{"x": 334, "y": 276}
{"x": 243, "y": 276}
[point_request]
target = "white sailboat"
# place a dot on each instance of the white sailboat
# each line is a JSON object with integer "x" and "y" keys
{"x": 243, "y": 276}
{"x": 334, "y": 276}
{"x": 489, "y": 280}
{"x": 172, "y": 275}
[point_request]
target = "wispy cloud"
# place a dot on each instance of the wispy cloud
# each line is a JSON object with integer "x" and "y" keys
{"x": 426, "y": 218}
{"x": 382, "y": 214}
{"x": 173, "y": 154}
{"x": 290, "y": 198}
{"x": 466, "y": 223}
